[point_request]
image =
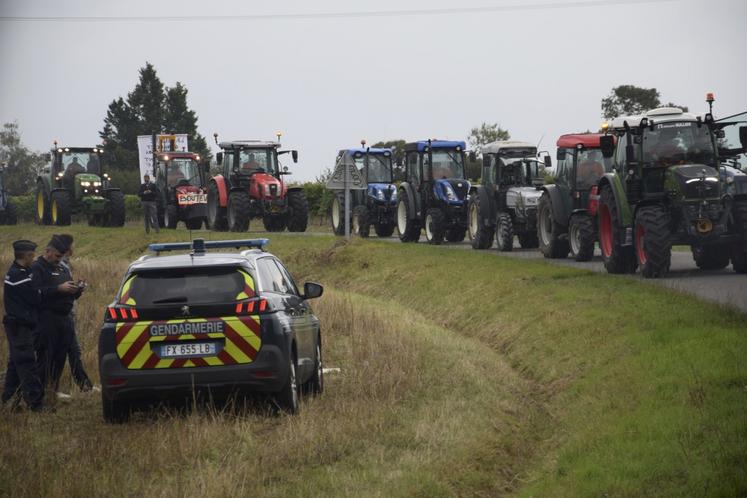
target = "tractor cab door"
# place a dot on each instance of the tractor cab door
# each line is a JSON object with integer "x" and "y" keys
{"x": 229, "y": 161}
{"x": 565, "y": 176}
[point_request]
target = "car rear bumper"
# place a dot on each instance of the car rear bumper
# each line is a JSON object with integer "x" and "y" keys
{"x": 266, "y": 374}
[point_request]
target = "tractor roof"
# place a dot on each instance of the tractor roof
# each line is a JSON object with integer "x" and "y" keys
{"x": 587, "y": 140}
{"x": 249, "y": 144}
{"x": 660, "y": 115}
{"x": 371, "y": 150}
{"x": 178, "y": 154}
{"x": 503, "y": 145}
{"x": 435, "y": 144}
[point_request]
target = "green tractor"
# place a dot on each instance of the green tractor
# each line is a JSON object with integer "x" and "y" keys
{"x": 73, "y": 183}
{"x": 667, "y": 188}
{"x": 8, "y": 212}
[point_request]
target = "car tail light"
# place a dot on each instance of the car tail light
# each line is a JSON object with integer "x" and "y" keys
{"x": 119, "y": 314}
{"x": 252, "y": 307}
{"x": 593, "y": 205}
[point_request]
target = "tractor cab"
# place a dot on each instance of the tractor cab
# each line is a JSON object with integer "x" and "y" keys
{"x": 581, "y": 164}
{"x": 77, "y": 169}
{"x": 254, "y": 165}
{"x": 376, "y": 168}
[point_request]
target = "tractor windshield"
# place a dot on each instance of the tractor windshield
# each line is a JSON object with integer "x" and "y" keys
{"x": 182, "y": 171}
{"x": 74, "y": 163}
{"x": 446, "y": 164}
{"x": 379, "y": 168}
{"x": 669, "y": 144}
{"x": 520, "y": 171}
{"x": 257, "y": 161}
{"x": 591, "y": 166}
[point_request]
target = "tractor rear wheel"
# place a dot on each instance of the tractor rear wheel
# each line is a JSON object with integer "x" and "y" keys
{"x": 480, "y": 234}
{"x": 10, "y": 217}
{"x": 298, "y": 217}
{"x": 116, "y": 208}
{"x": 711, "y": 257}
{"x": 455, "y": 234}
{"x": 361, "y": 224}
{"x": 739, "y": 250}
{"x": 61, "y": 208}
{"x": 653, "y": 242}
{"x": 216, "y": 218}
{"x": 338, "y": 215}
{"x": 171, "y": 216}
{"x": 407, "y": 226}
{"x": 549, "y": 230}
{"x": 617, "y": 258}
{"x": 528, "y": 240}
{"x": 238, "y": 211}
{"x": 273, "y": 223}
{"x": 43, "y": 206}
{"x": 581, "y": 237}
{"x": 504, "y": 232}
{"x": 384, "y": 229}
{"x": 434, "y": 226}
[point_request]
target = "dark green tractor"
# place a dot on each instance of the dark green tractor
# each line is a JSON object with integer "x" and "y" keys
{"x": 8, "y": 212}
{"x": 667, "y": 188}
{"x": 73, "y": 182}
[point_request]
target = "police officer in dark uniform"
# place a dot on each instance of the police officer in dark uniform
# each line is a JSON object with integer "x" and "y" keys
{"x": 58, "y": 293}
{"x": 21, "y": 297}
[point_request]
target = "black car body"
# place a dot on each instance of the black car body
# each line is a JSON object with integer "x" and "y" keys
{"x": 214, "y": 323}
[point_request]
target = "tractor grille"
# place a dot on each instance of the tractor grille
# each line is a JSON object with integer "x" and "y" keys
{"x": 461, "y": 192}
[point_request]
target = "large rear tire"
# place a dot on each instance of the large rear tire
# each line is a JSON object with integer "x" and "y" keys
{"x": 407, "y": 226}
{"x": 504, "y": 232}
{"x": 480, "y": 233}
{"x": 43, "y": 205}
{"x": 739, "y": 250}
{"x": 116, "y": 214}
{"x": 61, "y": 208}
{"x": 216, "y": 218}
{"x": 653, "y": 241}
{"x": 338, "y": 215}
{"x": 617, "y": 258}
{"x": 549, "y": 230}
{"x": 711, "y": 257}
{"x": 298, "y": 216}
{"x": 238, "y": 211}
{"x": 10, "y": 217}
{"x": 361, "y": 223}
{"x": 581, "y": 237}
{"x": 435, "y": 226}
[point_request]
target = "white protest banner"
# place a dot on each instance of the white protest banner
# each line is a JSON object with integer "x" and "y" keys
{"x": 145, "y": 150}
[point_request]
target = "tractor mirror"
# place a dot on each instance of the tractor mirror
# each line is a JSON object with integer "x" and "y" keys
{"x": 312, "y": 290}
{"x": 548, "y": 162}
{"x": 560, "y": 156}
{"x": 219, "y": 158}
{"x": 743, "y": 136}
{"x": 294, "y": 155}
{"x": 629, "y": 153}
{"x": 472, "y": 156}
{"x": 607, "y": 144}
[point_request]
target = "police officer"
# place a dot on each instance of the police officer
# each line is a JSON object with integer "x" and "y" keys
{"x": 21, "y": 299}
{"x": 58, "y": 293}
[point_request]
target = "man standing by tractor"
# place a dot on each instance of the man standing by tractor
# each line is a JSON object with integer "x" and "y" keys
{"x": 21, "y": 298}
{"x": 147, "y": 193}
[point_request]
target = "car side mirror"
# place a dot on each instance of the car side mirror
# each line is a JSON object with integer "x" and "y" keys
{"x": 472, "y": 156}
{"x": 548, "y": 162}
{"x": 294, "y": 155}
{"x": 312, "y": 290}
{"x": 743, "y": 136}
{"x": 219, "y": 158}
{"x": 607, "y": 144}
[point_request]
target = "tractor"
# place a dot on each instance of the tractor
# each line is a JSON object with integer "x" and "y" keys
{"x": 435, "y": 191}
{"x": 8, "y": 211}
{"x": 73, "y": 182}
{"x": 566, "y": 211}
{"x": 251, "y": 185}
{"x": 505, "y": 204}
{"x": 180, "y": 179}
{"x": 376, "y": 204}
{"x": 666, "y": 188}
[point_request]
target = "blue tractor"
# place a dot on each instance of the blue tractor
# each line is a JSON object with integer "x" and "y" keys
{"x": 8, "y": 212}
{"x": 435, "y": 193}
{"x": 376, "y": 205}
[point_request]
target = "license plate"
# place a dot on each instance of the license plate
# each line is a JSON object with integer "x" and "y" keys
{"x": 188, "y": 350}
{"x": 189, "y": 199}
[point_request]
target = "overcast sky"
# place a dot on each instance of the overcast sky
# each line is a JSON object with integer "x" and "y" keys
{"x": 329, "y": 82}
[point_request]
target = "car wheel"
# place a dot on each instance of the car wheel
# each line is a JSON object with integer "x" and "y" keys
{"x": 287, "y": 399}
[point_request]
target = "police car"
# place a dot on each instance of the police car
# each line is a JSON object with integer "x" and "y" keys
{"x": 215, "y": 324}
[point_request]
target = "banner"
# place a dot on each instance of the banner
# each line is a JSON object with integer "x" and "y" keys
{"x": 145, "y": 150}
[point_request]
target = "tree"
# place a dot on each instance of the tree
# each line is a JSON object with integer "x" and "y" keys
{"x": 626, "y": 100}
{"x": 485, "y": 134}
{"x": 179, "y": 118}
{"x": 22, "y": 164}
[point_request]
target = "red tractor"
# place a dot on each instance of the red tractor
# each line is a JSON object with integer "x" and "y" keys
{"x": 251, "y": 186}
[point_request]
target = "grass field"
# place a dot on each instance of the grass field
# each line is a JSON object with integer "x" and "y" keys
{"x": 461, "y": 374}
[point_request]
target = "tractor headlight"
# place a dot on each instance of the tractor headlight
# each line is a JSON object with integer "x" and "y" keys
{"x": 96, "y": 184}
{"x": 85, "y": 184}
{"x": 394, "y": 194}
{"x": 379, "y": 194}
{"x": 59, "y": 175}
{"x": 449, "y": 191}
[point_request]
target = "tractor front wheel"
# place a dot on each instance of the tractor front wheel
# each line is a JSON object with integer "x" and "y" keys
{"x": 61, "y": 215}
{"x": 273, "y": 223}
{"x": 216, "y": 218}
{"x": 238, "y": 211}
{"x": 434, "y": 226}
{"x": 384, "y": 229}
{"x": 617, "y": 258}
{"x": 581, "y": 236}
{"x": 480, "y": 234}
{"x": 504, "y": 233}
{"x": 407, "y": 226}
{"x": 455, "y": 234}
{"x": 171, "y": 216}
{"x": 711, "y": 257}
{"x": 194, "y": 223}
{"x": 549, "y": 230}
{"x": 361, "y": 224}
{"x": 528, "y": 240}
{"x": 338, "y": 215}
{"x": 298, "y": 217}
{"x": 653, "y": 242}
{"x": 116, "y": 215}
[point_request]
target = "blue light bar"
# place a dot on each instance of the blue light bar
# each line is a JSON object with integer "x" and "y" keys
{"x": 199, "y": 246}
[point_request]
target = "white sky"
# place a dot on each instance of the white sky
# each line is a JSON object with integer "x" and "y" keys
{"x": 327, "y": 83}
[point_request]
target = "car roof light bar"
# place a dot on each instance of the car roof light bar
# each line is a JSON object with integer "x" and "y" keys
{"x": 199, "y": 246}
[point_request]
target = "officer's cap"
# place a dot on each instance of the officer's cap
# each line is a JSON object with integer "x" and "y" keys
{"x": 24, "y": 246}
{"x": 58, "y": 243}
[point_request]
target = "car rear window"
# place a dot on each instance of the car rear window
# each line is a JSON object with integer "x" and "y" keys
{"x": 186, "y": 285}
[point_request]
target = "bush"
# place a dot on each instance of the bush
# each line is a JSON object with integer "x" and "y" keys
{"x": 320, "y": 200}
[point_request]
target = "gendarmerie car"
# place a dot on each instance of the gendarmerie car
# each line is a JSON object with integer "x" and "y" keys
{"x": 209, "y": 323}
